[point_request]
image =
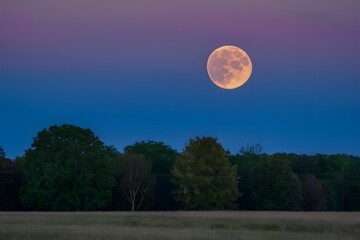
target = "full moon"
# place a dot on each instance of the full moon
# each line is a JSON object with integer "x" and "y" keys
{"x": 229, "y": 67}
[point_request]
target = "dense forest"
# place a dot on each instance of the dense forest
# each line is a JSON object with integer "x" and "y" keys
{"x": 68, "y": 168}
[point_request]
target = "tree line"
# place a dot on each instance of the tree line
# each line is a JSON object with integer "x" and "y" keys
{"x": 68, "y": 168}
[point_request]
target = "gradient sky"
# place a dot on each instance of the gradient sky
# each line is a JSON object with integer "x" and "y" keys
{"x": 135, "y": 70}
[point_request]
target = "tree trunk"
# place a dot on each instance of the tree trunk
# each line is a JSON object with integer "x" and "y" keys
{"x": 133, "y": 206}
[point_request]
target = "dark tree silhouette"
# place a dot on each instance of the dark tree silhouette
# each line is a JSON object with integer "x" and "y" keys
{"x": 313, "y": 194}
{"x": 204, "y": 176}
{"x": 246, "y": 164}
{"x": 255, "y": 149}
{"x": 162, "y": 158}
{"x": 68, "y": 168}
{"x": 275, "y": 186}
{"x": 136, "y": 179}
{"x": 11, "y": 180}
{"x": 2, "y": 153}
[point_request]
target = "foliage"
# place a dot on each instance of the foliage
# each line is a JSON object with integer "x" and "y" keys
{"x": 330, "y": 170}
{"x": 11, "y": 180}
{"x": 204, "y": 176}
{"x": 302, "y": 165}
{"x": 68, "y": 168}
{"x": 275, "y": 186}
{"x": 313, "y": 194}
{"x": 338, "y": 174}
{"x": 351, "y": 184}
{"x": 246, "y": 163}
{"x": 162, "y": 157}
{"x": 5, "y": 163}
{"x": 255, "y": 149}
{"x": 135, "y": 180}
{"x": 2, "y": 153}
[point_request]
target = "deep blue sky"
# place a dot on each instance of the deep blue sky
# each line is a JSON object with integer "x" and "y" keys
{"x": 132, "y": 72}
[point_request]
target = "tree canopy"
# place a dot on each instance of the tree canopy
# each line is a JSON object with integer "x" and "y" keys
{"x": 67, "y": 168}
{"x": 313, "y": 194}
{"x": 204, "y": 177}
{"x": 2, "y": 153}
{"x": 162, "y": 157}
{"x": 11, "y": 179}
{"x": 246, "y": 162}
{"x": 275, "y": 185}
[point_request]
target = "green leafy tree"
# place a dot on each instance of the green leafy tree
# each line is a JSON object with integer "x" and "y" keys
{"x": 162, "y": 157}
{"x": 275, "y": 186}
{"x": 246, "y": 163}
{"x": 303, "y": 165}
{"x": 330, "y": 170}
{"x": 351, "y": 182}
{"x": 204, "y": 177}
{"x": 68, "y": 168}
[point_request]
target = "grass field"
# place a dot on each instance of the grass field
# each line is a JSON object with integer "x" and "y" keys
{"x": 180, "y": 225}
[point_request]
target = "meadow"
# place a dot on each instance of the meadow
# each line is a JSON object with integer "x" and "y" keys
{"x": 180, "y": 225}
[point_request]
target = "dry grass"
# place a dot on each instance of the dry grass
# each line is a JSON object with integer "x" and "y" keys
{"x": 180, "y": 225}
